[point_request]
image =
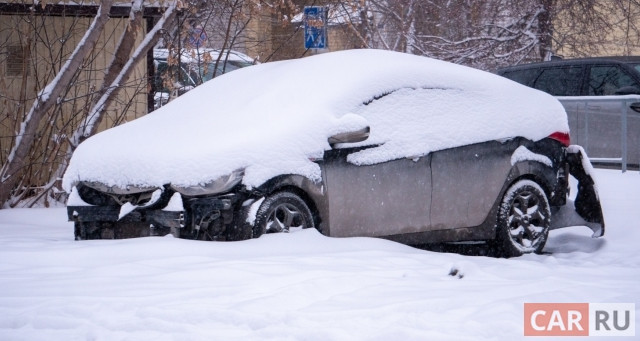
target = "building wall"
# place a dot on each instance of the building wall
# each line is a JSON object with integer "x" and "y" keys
{"x": 619, "y": 36}
{"x": 47, "y": 42}
{"x": 270, "y": 37}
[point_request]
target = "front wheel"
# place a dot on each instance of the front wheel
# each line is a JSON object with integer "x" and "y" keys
{"x": 523, "y": 220}
{"x": 282, "y": 212}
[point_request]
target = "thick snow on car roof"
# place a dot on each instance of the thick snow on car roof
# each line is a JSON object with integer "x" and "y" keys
{"x": 272, "y": 118}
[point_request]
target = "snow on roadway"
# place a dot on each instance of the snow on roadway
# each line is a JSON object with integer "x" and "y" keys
{"x": 300, "y": 286}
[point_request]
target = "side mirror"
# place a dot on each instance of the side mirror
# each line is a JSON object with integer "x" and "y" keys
{"x": 628, "y": 90}
{"x": 350, "y": 136}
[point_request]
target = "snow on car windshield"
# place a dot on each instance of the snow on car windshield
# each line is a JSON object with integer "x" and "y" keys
{"x": 270, "y": 119}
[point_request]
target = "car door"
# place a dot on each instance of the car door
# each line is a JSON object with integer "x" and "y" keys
{"x": 602, "y": 126}
{"x": 376, "y": 200}
{"x": 466, "y": 182}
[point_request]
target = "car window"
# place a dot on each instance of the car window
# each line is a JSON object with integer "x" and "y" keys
{"x": 605, "y": 80}
{"x": 560, "y": 81}
{"x": 522, "y": 76}
{"x": 166, "y": 75}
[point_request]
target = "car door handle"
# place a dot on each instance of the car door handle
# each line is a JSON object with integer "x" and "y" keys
{"x": 635, "y": 106}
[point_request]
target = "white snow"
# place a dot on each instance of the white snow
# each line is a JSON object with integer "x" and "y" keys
{"x": 300, "y": 286}
{"x": 155, "y": 196}
{"x": 523, "y": 154}
{"x": 175, "y": 203}
{"x": 270, "y": 119}
{"x": 586, "y": 165}
{"x": 126, "y": 209}
{"x": 75, "y": 199}
{"x": 196, "y": 55}
{"x": 253, "y": 211}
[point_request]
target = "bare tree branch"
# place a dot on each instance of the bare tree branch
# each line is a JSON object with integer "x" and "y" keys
{"x": 47, "y": 98}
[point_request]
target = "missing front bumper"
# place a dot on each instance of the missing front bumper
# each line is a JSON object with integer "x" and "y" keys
{"x": 157, "y": 218}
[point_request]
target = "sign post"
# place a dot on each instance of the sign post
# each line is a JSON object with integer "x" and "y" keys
{"x": 315, "y": 27}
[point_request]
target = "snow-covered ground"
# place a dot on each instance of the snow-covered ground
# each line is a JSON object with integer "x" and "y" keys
{"x": 300, "y": 286}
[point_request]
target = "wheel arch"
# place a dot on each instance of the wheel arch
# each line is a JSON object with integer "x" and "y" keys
{"x": 537, "y": 172}
{"x": 312, "y": 193}
{"x": 545, "y": 176}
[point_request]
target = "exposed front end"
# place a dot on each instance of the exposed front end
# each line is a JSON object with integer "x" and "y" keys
{"x": 195, "y": 212}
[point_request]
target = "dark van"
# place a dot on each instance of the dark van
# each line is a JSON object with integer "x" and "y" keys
{"x": 601, "y": 97}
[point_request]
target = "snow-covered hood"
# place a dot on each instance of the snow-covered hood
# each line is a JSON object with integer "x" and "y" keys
{"x": 272, "y": 118}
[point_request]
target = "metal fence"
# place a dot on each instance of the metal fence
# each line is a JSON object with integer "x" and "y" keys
{"x": 607, "y": 127}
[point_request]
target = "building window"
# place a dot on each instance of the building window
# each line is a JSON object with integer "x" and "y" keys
{"x": 17, "y": 61}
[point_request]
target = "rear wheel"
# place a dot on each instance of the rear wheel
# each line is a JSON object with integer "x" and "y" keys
{"x": 282, "y": 212}
{"x": 523, "y": 220}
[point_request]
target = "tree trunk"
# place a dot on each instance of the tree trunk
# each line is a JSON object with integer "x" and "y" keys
{"x": 123, "y": 51}
{"x": 89, "y": 125}
{"x": 47, "y": 98}
{"x": 119, "y": 70}
{"x": 545, "y": 28}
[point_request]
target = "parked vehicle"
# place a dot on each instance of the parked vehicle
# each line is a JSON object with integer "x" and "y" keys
{"x": 195, "y": 67}
{"x": 353, "y": 143}
{"x": 596, "y": 95}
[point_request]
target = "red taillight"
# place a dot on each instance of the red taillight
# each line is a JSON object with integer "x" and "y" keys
{"x": 561, "y": 137}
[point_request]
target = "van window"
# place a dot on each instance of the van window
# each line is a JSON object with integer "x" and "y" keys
{"x": 560, "y": 81}
{"x": 525, "y": 76}
{"x": 606, "y": 80}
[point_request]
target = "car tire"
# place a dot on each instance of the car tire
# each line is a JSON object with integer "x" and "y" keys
{"x": 282, "y": 212}
{"x": 523, "y": 222}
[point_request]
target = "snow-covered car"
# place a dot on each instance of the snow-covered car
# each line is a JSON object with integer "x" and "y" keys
{"x": 353, "y": 143}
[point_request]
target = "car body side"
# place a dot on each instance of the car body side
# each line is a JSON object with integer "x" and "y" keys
{"x": 448, "y": 195}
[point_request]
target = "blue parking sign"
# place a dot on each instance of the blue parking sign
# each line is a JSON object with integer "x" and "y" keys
{"x": 198, "y": 37}
{"x": 315, "y": 27}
